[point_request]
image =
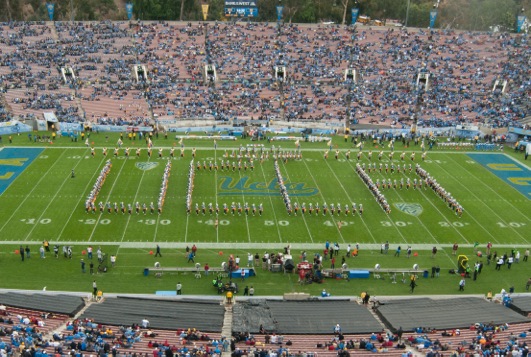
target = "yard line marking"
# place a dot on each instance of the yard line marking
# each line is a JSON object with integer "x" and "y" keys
{"x": 321, "y": 194}
{"x": 67, "y": 178}
{"x": 272, "y": 207}
{"x": 134, "y": 200}
{"x": 438, "y": 210}
{"x": 243, "y": 203}
{"x": 350, "y": 199}
{"x": 216, "y": 189}
{"x": 108, "y": 196}
{"x": 496, "y": 192}
{"x": 303, "y": 215}
{"x": 417, "y": 218}
{"x": 33, "y": 189}
{"x": 91, "y": 181}
{"x": 486, "y": 206}
{"x": 388, "y": 217}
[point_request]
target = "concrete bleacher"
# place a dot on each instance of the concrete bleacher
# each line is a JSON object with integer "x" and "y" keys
{"x": 316, "y": 344}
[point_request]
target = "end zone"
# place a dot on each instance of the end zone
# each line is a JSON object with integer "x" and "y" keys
{"x": 512, "y": 172}
{"x": 13, "y": 161}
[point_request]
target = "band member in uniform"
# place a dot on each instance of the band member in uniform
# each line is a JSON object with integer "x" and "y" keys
{"x": 138, "y": 152}
{"x": 137, "y": 207}
{"x": 260, "y": 209}
{"x": 144, "y": 208}
{"x": 92, "y": 152}
{"x": 152, "y": 208}
{"x": 160, "y": 152}
{"x": 104, "y": 152}
{"x": 172, "y": 152}
{"x": 116, "y": 152}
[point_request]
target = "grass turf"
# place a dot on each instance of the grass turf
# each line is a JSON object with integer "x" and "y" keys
{"x": 45, "y": 203}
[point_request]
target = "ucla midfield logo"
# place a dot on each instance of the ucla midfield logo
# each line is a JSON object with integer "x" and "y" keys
{"x": 145, "y": 166}
{"x": 413, "y": 209}
{"x": 230, "y": 186}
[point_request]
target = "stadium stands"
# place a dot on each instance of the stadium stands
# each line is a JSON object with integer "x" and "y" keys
{"x": 325, "y": 327}
{"x": 463, "y": 67}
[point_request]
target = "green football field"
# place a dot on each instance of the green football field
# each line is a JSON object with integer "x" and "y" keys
{"x": 46, "y": 203}
{"x": 41, "y": 201}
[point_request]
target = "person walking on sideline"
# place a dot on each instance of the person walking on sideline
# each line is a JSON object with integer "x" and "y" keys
{"x": 94, "y": 289}
{"x": 462, "y": 284}
{"x": 412, "y": 284}
{"x": 157, "y": 252}
{"x": 179, "y": 288}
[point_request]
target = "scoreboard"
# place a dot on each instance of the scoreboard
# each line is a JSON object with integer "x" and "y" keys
{"x": 241, "y": 8}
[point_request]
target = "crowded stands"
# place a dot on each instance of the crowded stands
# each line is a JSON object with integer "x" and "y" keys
{"x": 104, "y": 88}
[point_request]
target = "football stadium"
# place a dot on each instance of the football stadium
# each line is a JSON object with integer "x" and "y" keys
{"x": 247, "y": 185}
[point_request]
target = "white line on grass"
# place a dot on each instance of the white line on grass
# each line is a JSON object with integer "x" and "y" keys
{"x": 350, "y": 198}
{"x": 528, "y": 218}
{"x": 33, "y": 189}
{"x": 67, "y": 178}
{"x": 134, "y": 200}
{"x": 485, "y": 206}
{"x": 108, "y": 196}
{"x": 353, "y": 167}
{"x": 216, "y": 189}
{"x": 320, "y": 193}
{"x": 272, "y": 207}
{"x": 303, "y": 216}
{"x": 426, "y": 228}
{"x": 243, "y": 203}
{"x": 444, "y": 216}
{"x": 81, "y": 198}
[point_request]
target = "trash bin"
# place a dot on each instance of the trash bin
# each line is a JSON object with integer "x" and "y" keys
{"x": 426, "y": 274}
{"x": 146, "y": 271}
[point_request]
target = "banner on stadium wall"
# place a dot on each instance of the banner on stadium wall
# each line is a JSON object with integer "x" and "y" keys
{"x": 50, "y": 7}
{"x": 355, "y": 12}
{"x": 129, "y": 10}
{"x": 70, "y": 126}
{"x": 433, "y": 17}
{"x": 520, "y": 20}
{"x": 280, "y": 10}
{"x": 204, "y": 9}
{"x": 118, "y": 129}
{"x": 13, "y": 127}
